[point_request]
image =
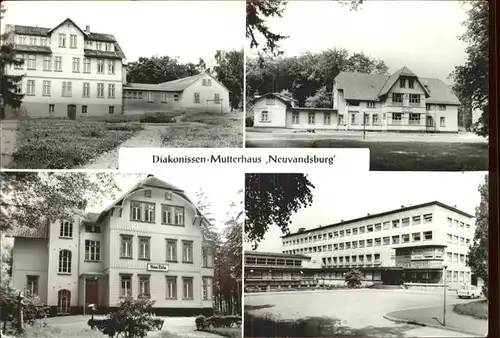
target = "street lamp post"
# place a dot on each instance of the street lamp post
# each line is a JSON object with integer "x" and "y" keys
{"x": 364, "y": 125}
{"x": 444, "y": 298}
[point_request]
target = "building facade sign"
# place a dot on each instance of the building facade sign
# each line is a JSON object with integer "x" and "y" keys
{"x": 157, "y": 267}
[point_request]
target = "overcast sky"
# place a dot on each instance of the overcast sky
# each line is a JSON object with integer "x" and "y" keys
{"x": 338, "y": 198}
{"x": 187, "y": 29}
{"x": 421, "y": 35}
{"x": 221, "y": 189}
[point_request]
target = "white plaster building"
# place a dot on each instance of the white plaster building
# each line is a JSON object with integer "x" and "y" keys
{"x": 68, "y": 71}
{"x": 401, "y": 102}
{"x": 197, "y": 93}
{"x": 410, "y": 244}
{"x": 148, "y": 243}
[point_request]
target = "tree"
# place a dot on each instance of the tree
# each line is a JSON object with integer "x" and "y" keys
{"x": 471, "y": 81}
{"x": 30, "y": 198}
{"x": 204, "y": 206}
{"x": 8, "y": 83}
{"x": 321, "y": 99}
{"x": 160, "y": 69}
{"x": 229, "y": 71}
{"x": 477, "y": 258}
{"x": 353, "y": 278}
{"x": 271, "y": 199}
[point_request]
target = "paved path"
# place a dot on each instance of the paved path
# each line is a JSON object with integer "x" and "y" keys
{"x": 149, "y": 137}
{"x": 453, "y": 320}
{"x": 287, "y": 134}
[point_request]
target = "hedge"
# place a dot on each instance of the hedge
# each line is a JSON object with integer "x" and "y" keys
{"x": 203, "y": 323}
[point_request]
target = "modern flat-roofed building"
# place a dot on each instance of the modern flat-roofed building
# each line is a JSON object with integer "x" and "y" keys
{"x": 411, "y": 244}
{"x": 69, "y": 71}
{"x": 148, "y": 243}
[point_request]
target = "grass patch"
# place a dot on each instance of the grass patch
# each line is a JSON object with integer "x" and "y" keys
{"x": 65, "y": 144}
{"x": 233, "y": 332}
{"x": 402, "y": 156}
{"x": 478, "y": 309}
{"x": 65, "y": 331}
{"x": 205, "y": 130}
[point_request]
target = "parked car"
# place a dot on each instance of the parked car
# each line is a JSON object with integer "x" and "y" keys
{"x": 469, "y": 292}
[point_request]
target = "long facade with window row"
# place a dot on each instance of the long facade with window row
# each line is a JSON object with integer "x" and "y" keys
{"x": 68, "y": 71}
{"x": 412, "y": 244}
{"x": 148, "y": 244}
{"x": 373, "y": 102}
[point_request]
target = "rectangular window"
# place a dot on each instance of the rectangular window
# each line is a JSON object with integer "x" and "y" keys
{"x": 98, "y": 45}
{"x": 354, "y": 231}
{"x": 449, "y": 256}
{"x": 196, "y": 97}
{"x": 378, "y": 241}
{"x": 427, "y": 235}
{"x": 427, "y": 218}
{"x": 111, "y": 66}
{"x": 366, "y": 119}
{"x": 126, "y": 246}
{"x": 108, "y": 47}
{"x": 76, "y": 65}
{"x": 58, "y": 64}
{"x": 405, "y": 221}
{"x": 414, "y": 119}
{"x": 111, "y": 110}
{"x": 100, "y": 66}
{"x": 46, "y": 88}
{"x": 207, "y": 257}
{"x": 47, "y": 63}
{"x": 31, "y": 62}
{"x": 354, "y": 118}
{"x": 370, "y": 104}
{"x": 428, "y": 107}
{"x": 449, "y": 221}
{"x": 93, "y": 228}
{"x": 171, "y": 287}
{"x": 125, "y": 286}
{"x": 33, "y": 40}
{"x": 269, "y": 101}
{"x": 30, "y": 87}
{"x": 361, "y": 243}
{"x": 66, "y": 89}
{"x": 51, "y": 108}
{"x": 19, "y": 57}
{"x": 206, "y": 289}
{"x": 442, "y": 122}
{"x": 369, "y": 243}
{"x": 100, "y": 90}
{"x": 395, "y": 239}
{"x": 264, "y": 116}
{"x": 92, "y": 250}
{"x": 416, "y": 236}
{"x": 386, "y": 240}
{"x": 62, "y": 40}
{"x": 405, "y": 238}
{"x": 442, "y": 107}
{"x": 327, "y": 118}
{"x": 395, "y": 224}
{"x": 144, "y": 248}
{"x": 171, "y": 250}
{"x": 311, "y": 118}
{"x": 164, "y": 97}
{"x": 187, "y": 287}
{"x": 411, "y": 83}
{"x": 397, "y": 118}
{"x": 378, "y": 227}
{"x": 455, "y": 239}
{"x": 72, "y": 41}
{"x": 449, "y": 238}
{"x": 172, "y": 215}
{"x": 144, "y": 288}
{"x": 22, "y": 40}
{"x": 216, "y": 98}
{"x": 362, "y": 230}
{"x": 375, "y": 120}
{"x": 397, "y": 97}
{"x": 111, "y": 91}
{"x": 416, "y": 220}
{"x": 86, "y": 65}
{"x": 402, "y": 83}
{"x": 32, "y": 285}
{"x": 415, "y": 99}
{"x": 187, "y": 251}
{"x": 86, "y": 89}
{"x": 341, "y": 119}
{"x": 369, "y": 228}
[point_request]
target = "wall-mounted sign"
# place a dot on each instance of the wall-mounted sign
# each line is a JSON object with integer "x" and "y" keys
{"x": 157, "y": 267}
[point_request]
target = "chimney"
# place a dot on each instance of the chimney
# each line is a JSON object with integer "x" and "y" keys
{"x": 87, "y": 29}
{"x": 151, "y": 175}
{"x": 402, "y": 206}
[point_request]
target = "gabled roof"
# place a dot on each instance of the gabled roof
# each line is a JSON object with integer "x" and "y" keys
{"x": 177, "y": 85}
{"x": 42, "y": 31}
{"x": 40, "y": 232}
{"x": 286, "y": 99}
{"x": 403, "y": 208}
{"x": 370, "y": 87}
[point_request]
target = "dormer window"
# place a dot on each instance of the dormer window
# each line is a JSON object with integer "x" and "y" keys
{"x": 402, "y": 83}
{"x": 147, "y": 193}
{"x": 168, "y": 195}
{"x": 411, "y": 83}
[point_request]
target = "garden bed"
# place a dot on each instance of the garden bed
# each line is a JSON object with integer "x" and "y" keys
{"x": 478, "y": 309}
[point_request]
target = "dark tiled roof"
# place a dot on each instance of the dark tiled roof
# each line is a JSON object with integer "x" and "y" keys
{"x": 143, "y": 86}
{"x": 26, "y": 232}
{"x": 30, "y": 30}
{"x": 102, "y": 54}
{"x": 171, "y": 86}
{"x": 101, "y": 37}
{"x": 370, "y": 87}
{"x": 33, "y": 49}
{"x": 411, "y": 207}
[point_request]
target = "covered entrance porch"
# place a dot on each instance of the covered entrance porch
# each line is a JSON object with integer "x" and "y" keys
{"x": 93, "y": 292}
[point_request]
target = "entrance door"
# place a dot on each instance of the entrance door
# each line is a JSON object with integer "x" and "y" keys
{"x": 91, "y": 292}
{"x": 72, "y": 111}
{"x": 429, "y": 122}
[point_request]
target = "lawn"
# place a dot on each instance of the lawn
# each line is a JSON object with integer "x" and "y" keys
{"x": 64, "y": 144}
{"x": 478, "y": 309}
{"x": 65, "y": 331}
{"x": 205, "y": 130}
{"x": 402, "y": 156}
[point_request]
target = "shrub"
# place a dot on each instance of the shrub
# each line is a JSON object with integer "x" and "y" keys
{"x": 157, "y": 118}
{"x": 126, "y": 127}
{"x": 204, "y": 323}
{"x": 353, "y": 278}
{"x": 93, "y": 133}
{"x": 249, "y": 121}
{"x": 133, "y": 319}
{"x": 200, "y": 322}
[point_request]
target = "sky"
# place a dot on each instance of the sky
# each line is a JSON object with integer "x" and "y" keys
{"x": 185, "y": 29}
{"x": 337, "y": 198}
{"x": 421, "y": 35}
{"x": 220, "y": 188}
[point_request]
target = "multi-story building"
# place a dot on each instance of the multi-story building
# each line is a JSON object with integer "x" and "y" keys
{"x": 68, "y": 71}
{"x": 412, "y": 244}
{"x": 269, "y": 271}
{"x": 373, "y": 102}
{"x": 148, "y": 243}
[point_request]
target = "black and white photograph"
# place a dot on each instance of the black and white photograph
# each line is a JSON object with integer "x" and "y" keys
{"x": 78, "y": 84}
{"x": 398, "y": 254}
{"x": 105, "y": 254}
{"x": 406, "y": 79}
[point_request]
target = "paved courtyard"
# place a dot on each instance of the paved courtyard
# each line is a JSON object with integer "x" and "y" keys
{"x": 361, "y": 310}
